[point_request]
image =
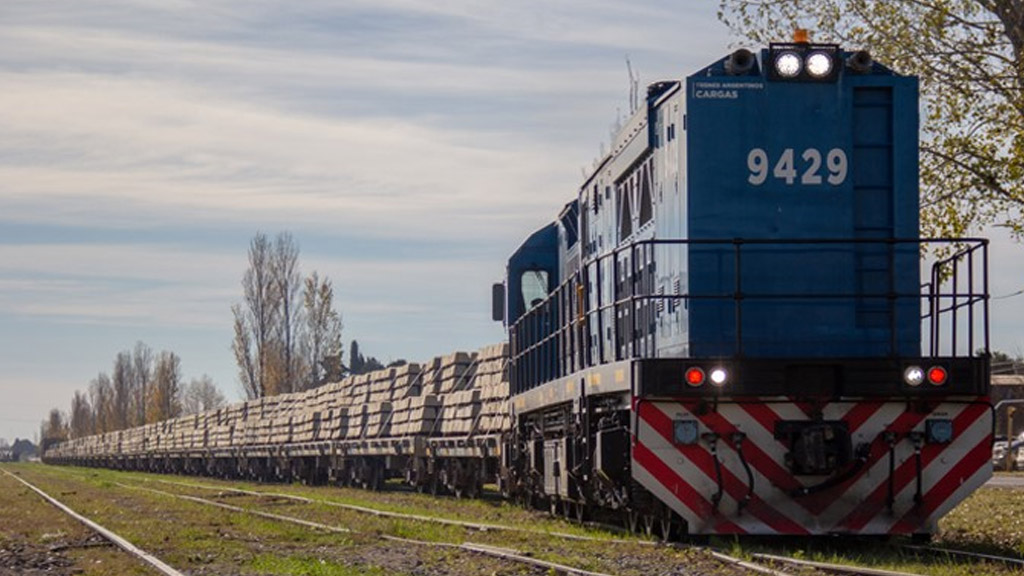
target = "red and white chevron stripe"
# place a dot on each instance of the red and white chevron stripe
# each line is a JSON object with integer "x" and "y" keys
{"x": 684, "y": 478}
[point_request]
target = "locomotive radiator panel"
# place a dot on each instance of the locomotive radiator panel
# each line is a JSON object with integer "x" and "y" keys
{"x": 736, "y": 475}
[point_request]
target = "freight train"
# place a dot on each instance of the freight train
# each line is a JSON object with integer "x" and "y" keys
{"x": 734, "y": 327}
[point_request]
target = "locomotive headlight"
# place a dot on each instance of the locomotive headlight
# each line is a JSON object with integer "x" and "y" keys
{"x": 718, "y": 376}
{"x": 819, "y": 64}
{"x": 788, "y": 64}
{"x": 913, "y": 376}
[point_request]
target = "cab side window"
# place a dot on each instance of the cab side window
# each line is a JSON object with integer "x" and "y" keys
{"x": 535, "y": 288}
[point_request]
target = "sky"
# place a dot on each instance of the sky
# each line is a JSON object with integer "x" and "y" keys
{"x": 408, "y": 147}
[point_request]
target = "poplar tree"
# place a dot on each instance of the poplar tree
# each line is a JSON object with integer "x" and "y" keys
{"x": 323, "y": 330}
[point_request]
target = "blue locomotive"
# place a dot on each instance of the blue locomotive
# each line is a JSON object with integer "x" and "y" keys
{"x": 731, "y": 327}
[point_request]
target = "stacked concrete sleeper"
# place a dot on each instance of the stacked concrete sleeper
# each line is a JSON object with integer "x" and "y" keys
{"x": 406, "y": 421}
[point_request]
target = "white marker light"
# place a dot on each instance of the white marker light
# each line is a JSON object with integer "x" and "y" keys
{"x": 913, "y": 375}
{"x": 788, "y": 64}
{"x": 719, "y": 376}
{"x": 819, "y": 64}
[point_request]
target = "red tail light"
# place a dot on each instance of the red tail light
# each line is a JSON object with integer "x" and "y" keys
{"x": 937, "y": 375}
{"x": 694, "y": 376}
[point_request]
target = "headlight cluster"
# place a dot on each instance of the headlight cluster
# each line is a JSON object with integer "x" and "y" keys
{"x": 915, "y": 376}
{"x": 696, "y": 376}
{"x": 804, "y": 62}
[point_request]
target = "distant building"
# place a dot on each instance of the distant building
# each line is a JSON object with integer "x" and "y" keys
{"x": 22, "y": 450}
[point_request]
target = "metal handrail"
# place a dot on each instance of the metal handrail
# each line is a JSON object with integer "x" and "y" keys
{"x": 552, "y": 323}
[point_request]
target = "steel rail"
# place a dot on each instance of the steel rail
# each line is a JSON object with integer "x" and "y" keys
{"x": 268, "y": 515}
{"x": 466, "y": 546}
{"x": 481, "y": 527}
{"x": 722, "y": 557}
{"x": 827, "y": 567}
{"x": 1008, "y": 560}
{"x": 120, "y": 542}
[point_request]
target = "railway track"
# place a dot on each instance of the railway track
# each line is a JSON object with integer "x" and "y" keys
{"x": 107, "y": 534}
{"x": 476, "y": 548}
{"x": 767, "y": 563}
{"x": 520, "y": 553}
{"x": 537, "y": 550}
{"x": 934, "y": 551}
{"x": 477, "y": 526}
{"x": 925, "y": 553}
{"x": 482, "y": 527}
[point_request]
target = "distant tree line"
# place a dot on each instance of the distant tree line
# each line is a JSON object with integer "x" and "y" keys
{"x": 143, "y": 387}
{"x": 287, "y": 338}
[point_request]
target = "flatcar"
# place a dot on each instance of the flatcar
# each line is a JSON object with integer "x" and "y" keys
{"x": 735, "y": 327}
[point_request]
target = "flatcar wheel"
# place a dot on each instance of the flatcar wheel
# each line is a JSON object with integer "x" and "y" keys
{"x": 632, "y": 521}
{"x": 522, "y": 497}
{"x": 580, "y": 510}
{"x": 667, "y": 532}
{"x": 648, "y": 520}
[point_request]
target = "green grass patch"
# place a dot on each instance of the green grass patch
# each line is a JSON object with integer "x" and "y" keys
{"x": 991, "y": 520}
{"x": 308, "y": 566}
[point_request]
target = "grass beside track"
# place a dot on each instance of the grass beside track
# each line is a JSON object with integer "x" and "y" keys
{"x": 210, "y": 541}
{"x": 991, "y": 520}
